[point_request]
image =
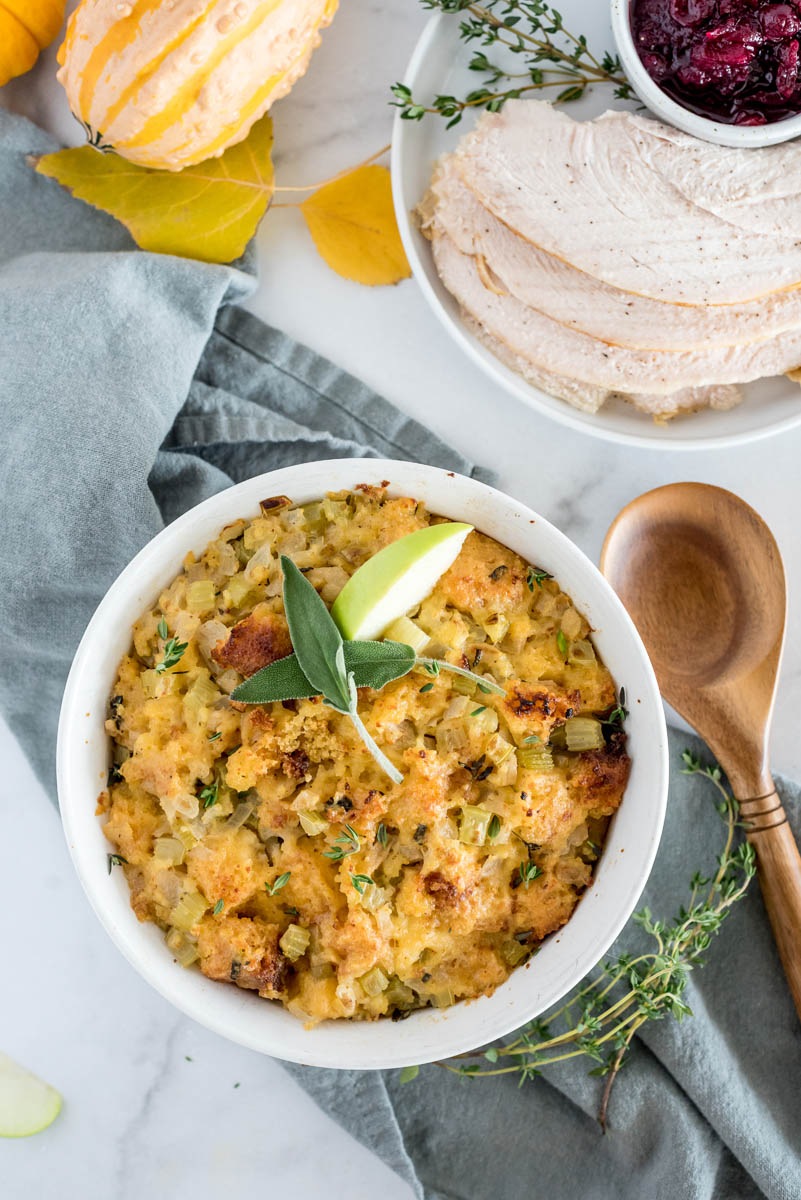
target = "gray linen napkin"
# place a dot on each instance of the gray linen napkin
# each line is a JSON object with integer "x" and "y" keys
{"x": 129, "y": 394}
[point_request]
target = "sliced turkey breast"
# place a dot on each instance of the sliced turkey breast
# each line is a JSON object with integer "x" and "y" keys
{"x": 569, "y": 353}
{"x": 587, "y": 398}
{"x": 576, "y": 299}
{"x": 587, "y": 193}
{"x": 759, "y": 192}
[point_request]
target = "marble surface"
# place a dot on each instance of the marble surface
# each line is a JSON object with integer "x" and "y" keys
{"x": 152, "y": 1105}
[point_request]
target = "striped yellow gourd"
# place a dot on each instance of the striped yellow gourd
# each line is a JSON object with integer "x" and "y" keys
{"x": 26, "y": 27}
{"x": 169, "y": 83}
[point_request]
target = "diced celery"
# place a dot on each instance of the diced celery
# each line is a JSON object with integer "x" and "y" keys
{"x": 584, "y": 733}
{"x": 185, "y": 836}
{"x": 335, "y": 510}
{"x": 256, "y": 533}
{"x": 405, "y": 630}
{"x": 581, "y": 653}
{"x": 374, "y": 982}
{"x": 457, "y": 707}
{"x": 313, "y": 515}
{"x": 150, "y": 683}
{"x": 443, "y": 999}
{"x": 312, "y": 823}
{"x": 237, "y": 588}
{"x": 200, "y": 596}
{"x": 183, "y": 948}
{"x": 558, "y": 738}
{"x": 463, "y": 685}
{"x": 535, "y": 757}
{"x": 513, "y": 952}
{"x": 169, "y": 851}
{"x": 188, "y": 911}
{"x": 474, "y": 825}
{"x": 202, "y": 694}
{"x": 399, "y": 995}
{"x": 295, "y": 942}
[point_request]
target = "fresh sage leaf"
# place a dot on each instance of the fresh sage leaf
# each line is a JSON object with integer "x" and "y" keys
{"x": 372, "y": 664}
{"x": 315, "y": 637}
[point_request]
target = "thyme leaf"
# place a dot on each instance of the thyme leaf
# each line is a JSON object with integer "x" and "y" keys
{"x": 537, "y": 52}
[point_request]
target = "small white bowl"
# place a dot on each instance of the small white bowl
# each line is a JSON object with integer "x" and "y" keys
{"x": 667, "y": 109}
{"x": 83, "y": 757}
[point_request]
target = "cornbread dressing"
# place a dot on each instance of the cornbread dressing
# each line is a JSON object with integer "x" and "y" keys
{"x": 270, "y": 846}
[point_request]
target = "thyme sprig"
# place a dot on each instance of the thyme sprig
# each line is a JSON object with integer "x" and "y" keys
{"x": 547, "y": 54}
{"x": 600, "y": 1018}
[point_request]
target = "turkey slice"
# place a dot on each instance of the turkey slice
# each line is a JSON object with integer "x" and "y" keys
{"x": 586, "y": 193}
{"x": 576, "y": 299}
{"x": 589, "y": 399}
{"x": 566, "y": 352}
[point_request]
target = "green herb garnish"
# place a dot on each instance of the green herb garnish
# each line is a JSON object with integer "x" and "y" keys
{"x": 360, "y": 882}
{"x": 347, "y": 843}
{"x": 213, "y": 736}
{"x": 561, "y": 643}
{"x": 618, "y": 714}
{"x": 218, "y": 907}
{"x": 381, "y": 834}
{"x": 536, "y": 575}
{"x": 210, "y": 794}
{"x": 494, "y": 827}
{"x": 426, "y": 687}
{"x": 115, "y": 860}
{"x": 173, "y": 649}
{"x": 280, "y": 882}
{"x": 545, "y": 54}
{"x": 481, "y": 708}
{"x": 529, "y": 871}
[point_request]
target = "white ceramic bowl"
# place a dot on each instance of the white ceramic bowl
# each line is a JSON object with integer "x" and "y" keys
{"x": 673, "y": 113}
{"x": 83, "y": 757}
{"x": 439, "y": 63}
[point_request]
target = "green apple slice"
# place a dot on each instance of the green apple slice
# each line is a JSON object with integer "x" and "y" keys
{"x": 396, "y": 579}
{"x": 27, "y": 1104}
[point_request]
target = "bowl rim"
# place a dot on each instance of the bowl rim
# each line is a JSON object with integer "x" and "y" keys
{"x": 225, "y": 1011}
{"x": 668, "y": 109}
{"x": 555, "y": 410}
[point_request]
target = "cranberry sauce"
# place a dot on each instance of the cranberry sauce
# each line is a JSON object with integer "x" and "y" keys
{"x": 733, "y": 60}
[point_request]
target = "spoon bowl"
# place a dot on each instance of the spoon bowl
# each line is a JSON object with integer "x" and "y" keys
{"x": 702, "y": 578}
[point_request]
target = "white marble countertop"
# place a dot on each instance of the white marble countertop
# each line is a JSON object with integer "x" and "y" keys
{"x": 151, "y": 1102}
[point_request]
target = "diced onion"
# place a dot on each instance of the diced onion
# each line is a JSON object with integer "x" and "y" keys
{"x": 312, "y": 823}
{"x": 240, "y": 814}
{"x": 169, "y": 850}
{"x": 374, "y": 982}
{"x": 581, "y": 652}
{"x": 200, "y": 596}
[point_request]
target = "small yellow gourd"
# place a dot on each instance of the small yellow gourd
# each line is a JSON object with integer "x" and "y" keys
{"x": 169, "y": 83}
{"x": 26, "y": 28}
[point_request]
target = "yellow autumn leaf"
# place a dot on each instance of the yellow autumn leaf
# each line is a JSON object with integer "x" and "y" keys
{"x": 353, "y": 224}
{"x": 209, "y": 211}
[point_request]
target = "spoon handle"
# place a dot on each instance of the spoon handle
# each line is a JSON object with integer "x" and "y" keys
{"x": 780, "y": 878}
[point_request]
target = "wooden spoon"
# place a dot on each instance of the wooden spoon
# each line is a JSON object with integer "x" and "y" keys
{"x": 702, "y": 578}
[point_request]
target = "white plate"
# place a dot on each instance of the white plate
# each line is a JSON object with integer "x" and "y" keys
{"x": 439, "y": 65}
{"x": 566, "y": 956}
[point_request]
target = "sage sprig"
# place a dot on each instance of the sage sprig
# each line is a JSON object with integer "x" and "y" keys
{"x": 324, "y": 664}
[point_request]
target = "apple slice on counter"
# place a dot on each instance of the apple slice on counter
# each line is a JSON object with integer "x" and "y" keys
{"x": 396, "y": 579}
{"x": 27, "y": 1104}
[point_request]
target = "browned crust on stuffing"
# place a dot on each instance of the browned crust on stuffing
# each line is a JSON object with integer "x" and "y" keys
{"x": 255, "y": 642}
{"x": 244, "y": 951}
{"x": 603, "y": 774}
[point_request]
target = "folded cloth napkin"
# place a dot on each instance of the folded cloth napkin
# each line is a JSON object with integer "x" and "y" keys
{"x": 132, "y": 388}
